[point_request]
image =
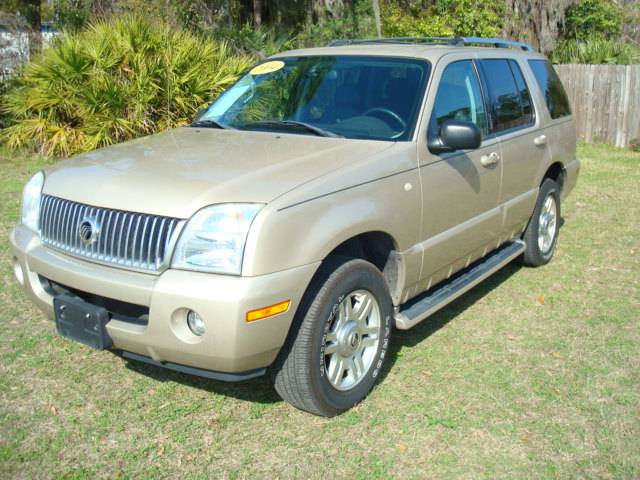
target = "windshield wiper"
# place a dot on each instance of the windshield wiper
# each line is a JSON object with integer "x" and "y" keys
{"x": 209, "y": 124}
{"x": 321, "y": 132}
{"x": 312, "y": 128}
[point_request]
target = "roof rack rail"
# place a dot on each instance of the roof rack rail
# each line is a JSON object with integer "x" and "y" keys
{"x": 450, "y": 41}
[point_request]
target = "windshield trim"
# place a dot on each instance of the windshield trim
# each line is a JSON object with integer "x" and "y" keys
{"x": 420, "y": 96}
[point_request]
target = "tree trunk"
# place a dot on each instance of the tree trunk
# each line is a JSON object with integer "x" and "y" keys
{"x": 35, "y": 27}
{"x": 376, "y": 14}
{"x": 257, "y": 12}
{"x": 317, "y": 11}
{"x": 536, "y": 21}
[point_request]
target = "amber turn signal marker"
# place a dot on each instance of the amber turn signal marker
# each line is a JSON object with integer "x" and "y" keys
{"x": 269, "y": 311}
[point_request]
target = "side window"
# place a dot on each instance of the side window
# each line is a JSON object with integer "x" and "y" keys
{"x": 551, "y": 86}
{"x": 459, "y": 97}
{"x": 525, "y": 96}
{"x": 505, "y": 96}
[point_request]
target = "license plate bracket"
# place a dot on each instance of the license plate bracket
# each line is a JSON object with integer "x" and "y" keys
{"x": 82, "y": 321}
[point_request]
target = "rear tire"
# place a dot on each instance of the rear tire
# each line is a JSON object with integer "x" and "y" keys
{"x": 338, "y": 341}
{"x": 541, "y": 235}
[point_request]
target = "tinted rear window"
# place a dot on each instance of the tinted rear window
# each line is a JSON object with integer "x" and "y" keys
{"x": 510, "y": 103}
{"x": 551, "y": 86}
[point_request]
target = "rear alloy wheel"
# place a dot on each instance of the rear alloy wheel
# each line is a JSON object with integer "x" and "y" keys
{"x": 338, "y": 341}
{"x": 541, "y": 235}
{"x": 547, "y": 223}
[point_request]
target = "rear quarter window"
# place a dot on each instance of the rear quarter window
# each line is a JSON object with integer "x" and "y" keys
{"x": 552, "y": 89}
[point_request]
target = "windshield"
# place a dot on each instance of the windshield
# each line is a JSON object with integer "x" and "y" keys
{"x": 349, "y": 96}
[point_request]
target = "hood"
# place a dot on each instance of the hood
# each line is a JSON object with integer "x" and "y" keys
{"x": 177, "y": 172}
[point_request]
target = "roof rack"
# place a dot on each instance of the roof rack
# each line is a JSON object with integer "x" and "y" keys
{"x": 450, "y": 41}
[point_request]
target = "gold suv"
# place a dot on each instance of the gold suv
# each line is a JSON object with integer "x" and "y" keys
{"x": 328, "y": 196}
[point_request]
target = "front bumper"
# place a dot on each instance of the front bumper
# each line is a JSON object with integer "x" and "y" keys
{"x": 229, "y": 345}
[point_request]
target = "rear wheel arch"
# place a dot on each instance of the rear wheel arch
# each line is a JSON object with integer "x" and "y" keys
{"x": 557, "y": 173}
{"x": 535, "y": 255}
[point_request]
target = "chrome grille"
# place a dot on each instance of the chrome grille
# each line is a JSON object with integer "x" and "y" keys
{"x": 126, "y": 239}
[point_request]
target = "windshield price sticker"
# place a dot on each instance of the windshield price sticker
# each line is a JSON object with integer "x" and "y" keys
{"x": 267, "y": 67}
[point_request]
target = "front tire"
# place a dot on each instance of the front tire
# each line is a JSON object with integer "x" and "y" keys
{"x": 541, "y": 235}
{"x": 339, "y": 339}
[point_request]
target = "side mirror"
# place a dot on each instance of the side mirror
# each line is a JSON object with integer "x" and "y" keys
{"x": 456, "y": 135}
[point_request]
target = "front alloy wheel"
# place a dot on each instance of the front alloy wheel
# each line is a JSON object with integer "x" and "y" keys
{"x": 339, "y": 338}
{"x": 352, "y": 341}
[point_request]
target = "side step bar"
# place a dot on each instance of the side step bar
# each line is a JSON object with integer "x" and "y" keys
{"x": 426, "y": 304}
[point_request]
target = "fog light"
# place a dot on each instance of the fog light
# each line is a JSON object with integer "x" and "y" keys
{"x": 195, "y": 322}
{"x": 17, "y": 270}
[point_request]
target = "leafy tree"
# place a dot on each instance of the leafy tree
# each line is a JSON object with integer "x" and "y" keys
{"x": 412, "y": 22}
{"x": 591, "y": 18}
{"x": 444, "y": 18}
{"x": 72, "y": 14}
{"x": 482, "y": 18}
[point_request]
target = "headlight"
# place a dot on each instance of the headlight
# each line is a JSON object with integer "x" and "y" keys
{"x": 31, "y": 201}
{"x": 213, "y": 239}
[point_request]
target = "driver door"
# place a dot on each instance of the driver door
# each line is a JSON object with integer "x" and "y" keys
{"x": 460, "y": 190}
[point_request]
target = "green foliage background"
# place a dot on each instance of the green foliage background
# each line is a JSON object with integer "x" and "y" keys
{"x": 115, "y": 81}
{"x": 126, "y": 68}
{"x": 445, "y": 18}
{"x": 590, "y": 18}
{"x": 596, "y": 50}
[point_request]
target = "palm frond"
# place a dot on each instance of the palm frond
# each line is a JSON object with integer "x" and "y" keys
{"x": 115, "y": 81}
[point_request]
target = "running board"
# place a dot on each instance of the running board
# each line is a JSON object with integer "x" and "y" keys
{"x": 426, "y": 304}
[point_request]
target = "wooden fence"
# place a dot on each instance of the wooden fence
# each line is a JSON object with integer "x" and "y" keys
{"x": 605, "y": 101}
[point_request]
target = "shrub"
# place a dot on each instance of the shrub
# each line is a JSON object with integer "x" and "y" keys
{"x": 355, "y": 22}
{"x": 444, "y": 18}
{"x": 397, "y": 23}
{"x": 596, "y": 51}
{"x": 593, "y": 17}
{"x": 113, "y": 82}
{"x": 259, "y": 41}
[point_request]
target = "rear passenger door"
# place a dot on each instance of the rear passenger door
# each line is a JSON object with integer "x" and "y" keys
{"x": 554, "y": 105}
{"x": 523, "y": 145}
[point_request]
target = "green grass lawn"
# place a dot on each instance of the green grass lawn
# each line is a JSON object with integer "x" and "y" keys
{"x": 533, "y": 374}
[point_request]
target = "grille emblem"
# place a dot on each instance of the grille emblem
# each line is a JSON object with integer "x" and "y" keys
{"x": 88, "y": 231}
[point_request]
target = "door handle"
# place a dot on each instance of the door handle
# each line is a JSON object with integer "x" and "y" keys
{"x": 490, "y": 160}
{"x": 540, "y": 141}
